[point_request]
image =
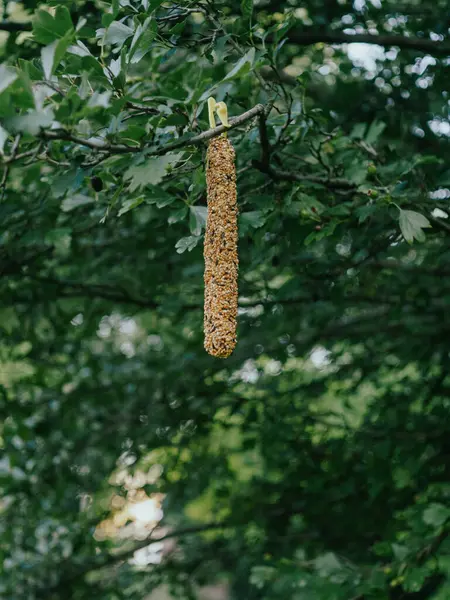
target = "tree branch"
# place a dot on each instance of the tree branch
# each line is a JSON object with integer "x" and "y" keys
{"x": 13, "y": 27}
{"x": 308, "y": 38}
{"x": 190, "y": 140}
{"x": 78, "y": 289}
{"x": 110, "y": 559}
{"x": 278, "y": 175}
{"x": 265, "y": 143}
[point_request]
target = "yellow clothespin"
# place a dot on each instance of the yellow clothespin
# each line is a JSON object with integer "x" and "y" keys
{"x": 222, "y": 113}
{"x": 211, "y": 108}
{"x": 221, "y": 110}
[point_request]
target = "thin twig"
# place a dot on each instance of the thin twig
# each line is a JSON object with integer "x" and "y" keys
{"x": 6, "y": 171}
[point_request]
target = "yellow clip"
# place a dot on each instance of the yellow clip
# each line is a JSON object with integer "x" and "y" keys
{"x": 222, "y": 113}
{"x": 221, "y": 110}
{"x": 211, "y": 107}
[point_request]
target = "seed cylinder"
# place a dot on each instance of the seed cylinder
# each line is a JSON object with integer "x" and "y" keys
{"x": 220, "y": 250}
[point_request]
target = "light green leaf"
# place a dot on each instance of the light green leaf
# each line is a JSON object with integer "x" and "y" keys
{"x": 187, "y": 243}
{"x": 326, "y": 564}
{"x": 79, "y": 49}
{"x": 436, "y": 514}
{"x": 247, "y": 8}
{"x": 47, "y": 58}
{"x": 8, "y": 319}
{"x": 245, "y": 63}
{"x": 358, "y": 131}
{"x": 130, "y": 204}
{"x": 412, "y": 224}
{"x": 400, "y": 552}
{"x": 261, "y": 575}
{"x": 100, "y": 99}
{"x": 197, "y": 219}
{"x": 356, "y": 172}
{"x": 152, "y": 171}
{"x": 375, "y": 130}
{"x": 75, "y": 201}
{"x": 52, "y": 54}
{"x": 32, "y": 122}
{"x": 117, "y": 34}
{"x": 7, "y": 77}
{"x": 3, "y": 137}
{"x": 60, "y": 238}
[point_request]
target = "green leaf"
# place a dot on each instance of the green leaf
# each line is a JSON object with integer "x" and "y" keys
{"x": 154, "y": 4}
{"x": 247, "y": 8}
{"x": 177, "y": 215}
{"x": 243, "y": 65}
{"x": 32, "y": 122}
{"x": 47, "y": 28}
{"x": 415, "y": 579}
{"x": 178, "y": 28}
{"x": 142, "y": 40}
{"x": 375, "y": 130}
{"x": 261, "y": 575}
{"x": 325, "y": 231}
{"x": 52, "y": 54}
{"x": 356, "y": 172}
{"x": 130, "y": 204}
{"x": 158, "y": 196}
{"x": 67, "y": 182}
{"x": 7, "y": 77}
{"x": 3, "y": 137}
{"x": 75, "y": 201}
{"x": 152, "y": 171}
{"x": 197, "y": 219}
{"x": 252, "y": 219}
{"x": 8, "y": 319}
{"x": 436, "y": 514}
{"x": 358, "y": 131}
{"x": 326, "y": 564}
{"x": 117, "y": 34}
{"x": 364, "y": 212}
{"x": 187, "y": 243}
{"x": 412, "y": 224}
{"x": 30, "y": 70}
{"x": 60, "y": 238}
{"x": 400, "y": 552}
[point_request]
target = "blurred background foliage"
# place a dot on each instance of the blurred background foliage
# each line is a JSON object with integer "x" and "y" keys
{"x": 314, "y": 464}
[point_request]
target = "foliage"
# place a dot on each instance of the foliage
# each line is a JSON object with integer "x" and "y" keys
{"x": 314, "y": 462}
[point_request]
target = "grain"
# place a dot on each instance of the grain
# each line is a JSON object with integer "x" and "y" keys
{"x": 220, "y": 250}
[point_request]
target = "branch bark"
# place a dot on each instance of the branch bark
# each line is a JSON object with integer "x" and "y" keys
{"x": 335, "y": 183}
{"x": 110, "y": 559}
{"x": 308, "y": 38}
{"x": 194, "y": 140}
{"x": 11, "y": 26}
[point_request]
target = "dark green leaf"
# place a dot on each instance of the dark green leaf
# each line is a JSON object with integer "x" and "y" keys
{"x": 48, "y": 28}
